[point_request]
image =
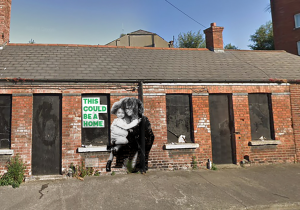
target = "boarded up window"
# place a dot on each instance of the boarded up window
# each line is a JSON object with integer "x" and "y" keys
{"x": 261, "y": 117}
{"x": 5, "y": 121}
{"x": 179, "y": 117}
{"x": 95, "y": 119}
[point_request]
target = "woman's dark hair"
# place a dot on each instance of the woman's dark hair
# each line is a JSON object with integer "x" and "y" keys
{"x": 134, "y": 103}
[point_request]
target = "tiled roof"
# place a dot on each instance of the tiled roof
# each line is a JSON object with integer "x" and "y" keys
{"x": 107, "y": 63}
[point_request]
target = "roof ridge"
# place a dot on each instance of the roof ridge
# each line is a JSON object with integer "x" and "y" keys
{"x": 148, "y": 32}
{"x": 106, "y": 46}
{"x": 131, "y": 47}
{"x": 254, "y": 50}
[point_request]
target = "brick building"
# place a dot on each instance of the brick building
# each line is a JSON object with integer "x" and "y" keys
{"x": 5, "y": 8}
{"x": 231, "y": 105}
{"x": 286, "y": 25}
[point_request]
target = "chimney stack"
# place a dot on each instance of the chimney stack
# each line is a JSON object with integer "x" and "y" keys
{"x": 214, "y": 38}
{"x": 5, "y": 8}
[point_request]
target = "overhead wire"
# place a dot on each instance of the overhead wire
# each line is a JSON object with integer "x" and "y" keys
{"x": 185, "y": 13}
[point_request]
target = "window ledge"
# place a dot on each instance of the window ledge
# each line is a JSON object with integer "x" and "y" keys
{"x": 181, "y": 146}
{"x": 264, "y": 142}
{"x": 92, "y": 149}
{"x": 6, "y": 152}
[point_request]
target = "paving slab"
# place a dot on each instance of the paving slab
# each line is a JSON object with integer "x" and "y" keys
{"x": 255, "y": 187}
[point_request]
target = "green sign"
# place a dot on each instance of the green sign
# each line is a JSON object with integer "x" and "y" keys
{"x": 91, "y": 109}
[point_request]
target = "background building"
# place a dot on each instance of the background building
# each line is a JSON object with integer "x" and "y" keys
{"x": 286, "y": 25}
{"x": 141, "y": 38}
{"x": 5, "y": 8}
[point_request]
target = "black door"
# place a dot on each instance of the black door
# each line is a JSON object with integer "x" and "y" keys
{"x": 46, "y": 135}
{"x": 221, "y": 122}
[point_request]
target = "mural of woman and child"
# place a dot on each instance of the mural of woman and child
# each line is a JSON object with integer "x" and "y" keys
{"x": 125, "y": 134}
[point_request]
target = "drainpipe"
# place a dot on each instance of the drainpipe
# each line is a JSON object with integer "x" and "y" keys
{"x": 142, "y": 131}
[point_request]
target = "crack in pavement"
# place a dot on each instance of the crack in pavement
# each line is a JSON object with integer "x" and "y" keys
{"x": 44, "y": 186}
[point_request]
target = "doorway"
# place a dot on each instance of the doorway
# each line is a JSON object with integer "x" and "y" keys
{"x": 222, "y": 128}
{"x": 46, "y": 135}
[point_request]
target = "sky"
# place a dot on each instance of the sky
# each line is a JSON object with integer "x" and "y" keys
{"x": 95, "y": 22}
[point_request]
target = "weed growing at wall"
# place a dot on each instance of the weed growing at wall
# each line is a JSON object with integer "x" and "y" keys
{"x": 194, "y": 163}
{"x": 82, "y": 171}
{"x": 214, "y": 167}
{"x": 15, "y": 173}
{"x": 97, "y": 173}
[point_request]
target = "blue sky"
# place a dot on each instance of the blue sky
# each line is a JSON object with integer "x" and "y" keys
{"x": 101, "y": 21}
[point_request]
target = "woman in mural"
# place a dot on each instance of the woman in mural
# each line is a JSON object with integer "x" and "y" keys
{"x": 134, "y": 109}
{"x": 119, "y": 131}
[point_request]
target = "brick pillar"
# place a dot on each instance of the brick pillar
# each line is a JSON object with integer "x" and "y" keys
{"x": 71, "y": 129}
{"x": 242, "y": 125}
{"x": 283, "y": 127}
{"x": 295, "y": 104}
{"x": 21, "y": 128}
{"x": 155, "y": 110}
{"x": 202, "y": 131}
{"x": 5, "y": 8}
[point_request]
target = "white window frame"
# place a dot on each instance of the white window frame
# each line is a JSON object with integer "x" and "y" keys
{"x": 298, "y": 46}
{"x": 297, "y": 20}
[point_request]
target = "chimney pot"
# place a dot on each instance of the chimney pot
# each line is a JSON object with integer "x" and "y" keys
{"x": 213, "y": 24}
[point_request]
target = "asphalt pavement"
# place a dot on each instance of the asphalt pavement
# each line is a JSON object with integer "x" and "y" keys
{"x": 255, "y": 187}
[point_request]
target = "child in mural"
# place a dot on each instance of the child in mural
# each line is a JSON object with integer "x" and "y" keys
{"x": 134, "y": 109}
{"x": 119, "y": 131}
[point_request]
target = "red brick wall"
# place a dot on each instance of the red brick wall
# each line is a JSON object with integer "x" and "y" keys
{"x": 21, "y": 127}
{"x": 202, "y": 130}
{"x": 3, "y": 161}
{"x": 284, "y": 152}
{"x": 71, "y": 122}
{"x": 257, "y": 154}
{"x": 155, "y": 110}
{"x": 285, "y": 34}
{"x": 5, "y": 8}
{"x": 295, "y": 103}
{"x": 242, "y": 125}
{"x": 71, "y": 129}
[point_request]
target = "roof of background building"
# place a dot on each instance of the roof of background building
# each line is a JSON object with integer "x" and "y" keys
{"x": 141, "y": 32}
{"x": 138, "y": 32}
{"x": 108, "y": 63}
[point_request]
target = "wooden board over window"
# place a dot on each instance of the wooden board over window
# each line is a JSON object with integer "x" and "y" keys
{"x": 5, "y": 121}
{"x": 179, "y": 117}
{"x": 261, "y": 117}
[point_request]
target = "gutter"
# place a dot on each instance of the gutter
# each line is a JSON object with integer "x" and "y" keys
{"x": 19, "y": 79}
